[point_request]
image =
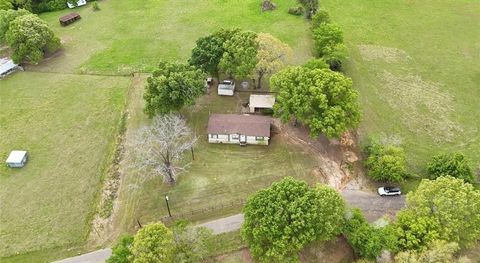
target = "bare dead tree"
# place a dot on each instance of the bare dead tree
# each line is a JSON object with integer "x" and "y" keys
{"x": 159, "y": 147}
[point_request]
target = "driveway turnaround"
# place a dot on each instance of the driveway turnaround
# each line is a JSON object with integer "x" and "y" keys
{"x": 373, "y": 205}
{"x": 226, "y": 224}
{"x": 99, "y": 256}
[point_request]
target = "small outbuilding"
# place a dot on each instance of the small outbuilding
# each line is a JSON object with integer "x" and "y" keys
{"x": 258, "y": 102}
{"x": 239, "y": 129}
{"x": 17, "y": 159}
{"x": 226, "y": 88}
{"x": 68, "y": 19}
{"x": 78, "y": 3}
{"x": 7, "y": 66}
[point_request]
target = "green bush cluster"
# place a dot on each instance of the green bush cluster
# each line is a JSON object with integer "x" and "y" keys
{"x": 296, "y": 11}
{"x": 386, "y": 162}
{"x": 328, "y": 40}
{"x": 453, "y": 164}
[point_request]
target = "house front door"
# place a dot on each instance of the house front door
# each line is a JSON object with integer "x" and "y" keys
{"x": 243, "y": 138}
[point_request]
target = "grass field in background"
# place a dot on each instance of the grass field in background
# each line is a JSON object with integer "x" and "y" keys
{"x": 415, "y": 64}
{"x": 133, "y": 36}
{"x": 67, "y": 123}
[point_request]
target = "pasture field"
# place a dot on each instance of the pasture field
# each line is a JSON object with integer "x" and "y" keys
{"x": 415, "y": 64}
{"x": 68, "y": 124}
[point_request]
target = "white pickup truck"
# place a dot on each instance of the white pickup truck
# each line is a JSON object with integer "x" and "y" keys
{"x": 226, "y": 88}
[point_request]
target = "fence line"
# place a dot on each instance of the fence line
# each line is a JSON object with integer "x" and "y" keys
{"x": 194, "y": 212}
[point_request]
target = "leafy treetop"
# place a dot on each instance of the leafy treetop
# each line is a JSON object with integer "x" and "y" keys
{"x": 322, "y": 99}
{"x": 282, "y": 219}
{"x": 240, "y": 56}
{"x": 453, "y": 164}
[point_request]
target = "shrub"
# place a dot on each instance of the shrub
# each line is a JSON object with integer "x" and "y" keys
{"x": 454, "y": 164}
{"x": 121, "y": 252}
{"x": 366, "y": 240}
{"x": 95, "y": 6}
{"x": 319, "y": 18}
{"x": 296, "y": 11}
{"x": 386, "y": 162}
{"x": 328, "y": 44}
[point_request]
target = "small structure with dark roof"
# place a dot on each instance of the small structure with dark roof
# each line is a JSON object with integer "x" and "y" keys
{"x": 68, "y": 19}
{"x": 239, "y": 129}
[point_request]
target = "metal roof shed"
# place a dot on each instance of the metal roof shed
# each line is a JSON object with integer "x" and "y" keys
{"x": 17, "y": 159}
{"x": 7, "y": 67}
{"x": 261, "y": 102}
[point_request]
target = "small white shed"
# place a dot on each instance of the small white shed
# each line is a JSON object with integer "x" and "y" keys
{"x": 17, "y": 159}
{"x": 7, "y": 66}
{"x": 261, "y": 102}
{"x": 79, "y": 3}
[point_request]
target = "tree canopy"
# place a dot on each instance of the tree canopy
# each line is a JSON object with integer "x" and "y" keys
{"x": 453, "y": 164}
{"x": 272, "y": 55}
{"x": 30, "y": 38}
{"x": 209, "y": 50}
{"x": 322, "y": 99}
{"x": 438, "y": 251}
{"x": 240, "y": 56}
{"x": 121, "y": 252}
{"x": 386, "y": 162}
{"x": 446, "y": 208}
{"x": 6, "y": 17}
{"x": 282, "y": 219}
{"x": 311, "y": 6}
{"x": 5, "y": 5}
{"x": 172, "y": 86}
{"x": 153, "y": 244}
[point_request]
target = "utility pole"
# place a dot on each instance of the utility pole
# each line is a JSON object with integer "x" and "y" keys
{"x": 168, "y": 207}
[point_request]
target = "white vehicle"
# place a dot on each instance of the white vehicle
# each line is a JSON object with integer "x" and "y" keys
{"x": 389, "y": 190}
{"x": 226, "y": 88}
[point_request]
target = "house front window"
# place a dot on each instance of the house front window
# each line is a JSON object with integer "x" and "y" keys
{"x": 214, "y": 136}
{"x": 259, "y": 138}
{"x": 234, "y": 136}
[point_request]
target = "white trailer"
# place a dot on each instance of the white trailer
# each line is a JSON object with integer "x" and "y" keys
{"x": 226, "y": 88}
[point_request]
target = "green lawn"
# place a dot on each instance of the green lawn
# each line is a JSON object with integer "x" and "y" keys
{"x": 133, "y": 36}
{"x": 67, "y": 123}
{"x": 415, "y": 64}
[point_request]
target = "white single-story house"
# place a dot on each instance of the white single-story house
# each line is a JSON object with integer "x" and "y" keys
{"x": 7, "y": 66}
{"x": 17, "y": 159}
{"x": 258, "y": 102}
{"x": 79, "y": 3}
{"x": 239, "y": 129}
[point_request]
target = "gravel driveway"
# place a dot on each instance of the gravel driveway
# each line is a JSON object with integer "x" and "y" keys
{"x": 373, "y": 205}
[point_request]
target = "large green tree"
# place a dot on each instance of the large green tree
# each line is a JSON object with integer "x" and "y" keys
{"x": 209, "y": 50}
{"x": 153, "y": 244}
{"x": 272, "y": 55}
{"x": 6, "y": 17}
{"x": 172, "y": 86}
{"x": 386, "y": 162}
{"x": 322, "y": 99}
{"x": 30, "y": 38}
{"x": 453, "y": 164}
{"x": 240, "y": 56}
{"x": 446, "y": 208}
{"x": 282, "y": 219}
{"x": 121, "y": 252}
{"x": 192, "y": 244}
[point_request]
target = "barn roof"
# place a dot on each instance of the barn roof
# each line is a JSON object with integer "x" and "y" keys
{"x": 65, "y": 18}
{"x": 251, "y": 125}
{"x": 6, "y": 65}
{"x": 16, "y": 156}
{"x": 262, "y": 101}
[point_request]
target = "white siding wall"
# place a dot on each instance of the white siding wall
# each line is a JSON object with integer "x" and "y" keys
{"x": 224, "y": 138}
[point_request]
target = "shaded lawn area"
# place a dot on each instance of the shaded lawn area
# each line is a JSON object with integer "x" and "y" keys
{"x": 133, "y": 36}
{"x": 415, "y": 64}
{"x": 219, "y": 175}
{"x": 68, "y": 124}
